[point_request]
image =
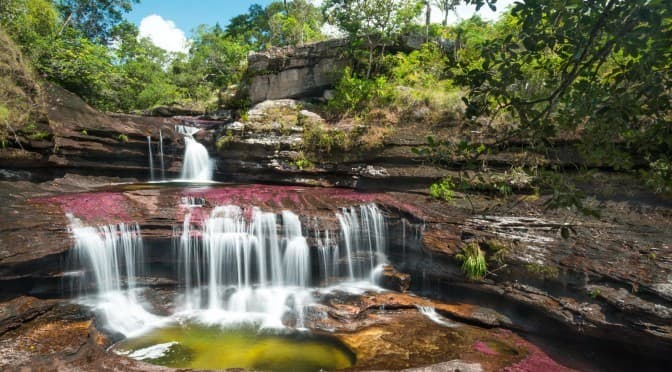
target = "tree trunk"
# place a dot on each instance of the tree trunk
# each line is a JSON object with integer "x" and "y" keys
{"x": 428, "y": 19}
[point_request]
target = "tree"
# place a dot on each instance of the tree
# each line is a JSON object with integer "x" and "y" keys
{"x": 300, "y": 24}
{"x": 31, "y": 23}
{"x": 142, "y": 81}
{"x": 377, "y": 22}
{"x": 445, "y": 6}
{"x": 279, "y": 24}
{"x": 95, "y": 18}
{"x": 599, "y": 68}
{"x": 216, "y": 57}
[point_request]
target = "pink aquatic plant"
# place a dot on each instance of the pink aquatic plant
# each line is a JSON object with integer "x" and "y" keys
{"x": 92, "y": 207}
{"x": 482, "y": 347}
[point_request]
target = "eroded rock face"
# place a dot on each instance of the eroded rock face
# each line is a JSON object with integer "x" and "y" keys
{"x": 304, "y": 71}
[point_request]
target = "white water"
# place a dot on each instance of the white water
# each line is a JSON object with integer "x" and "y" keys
{"x": 151, "y": 158}
{"x": 363, "y": 232}
{"x": 235, "y": 266}
{"x": 113, "y": 253}
{"x": 431, "y": 313}
{"x": 197, "y": 165}
{"x": 163, "y": 168}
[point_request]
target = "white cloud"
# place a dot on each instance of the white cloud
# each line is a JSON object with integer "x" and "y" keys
{"x": 163, "y": 33}
{"x": 464, "y": 11}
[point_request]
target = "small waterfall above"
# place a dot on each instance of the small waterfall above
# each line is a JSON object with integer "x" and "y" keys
{"x": 163, "y": 168}
{"x": 235, "y": 265}
{"x": 151, "y": 158}
{"x": 197, "y": 165}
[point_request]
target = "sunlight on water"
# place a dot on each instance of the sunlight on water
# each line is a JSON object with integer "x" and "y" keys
{"x": 201, "y": 347}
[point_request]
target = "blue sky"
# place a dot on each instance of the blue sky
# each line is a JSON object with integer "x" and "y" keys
{"x": 188, "y": 14}
{"x": 169, "y": 23}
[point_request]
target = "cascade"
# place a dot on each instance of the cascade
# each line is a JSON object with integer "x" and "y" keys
{"x": 151, "y": 158}
{"x": 235, "y": 264}
{"x": 363, "y": 233}
{"x": 112, "y": 253}
{"x": 163, "y": 168}
{"x": 197, "y": 165}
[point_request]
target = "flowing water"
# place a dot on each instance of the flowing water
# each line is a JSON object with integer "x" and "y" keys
{"x": 196, "y": 165}
{"x": 238, "y": 267}
{"x": 151, "y": 158}
{"x": 163, "y": 168}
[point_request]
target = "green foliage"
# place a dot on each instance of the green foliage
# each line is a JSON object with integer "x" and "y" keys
{"x": 474, "y": 266}
{"x": 276, "y": 25}
{"x": 122, "y": 138}
{"x": 424, "y": 67}
{"x": 94, "y": 18}
{"x": 447, "y": 152}
{"x": 30, "y": 23}
{"x": 598, "y": 68}
{"x": 594, "y": 293}
{"x": 443, "y": 190}
{"x": 372, "y": 24}
{"x": 317, "y": 139}
{"x": 224, "y": 141}
{"x": 659, "y": 177}
{"x": 354, "y": 94}
{"x": 219, "y": 59}
{"x": 4, "y": 113}
{"x": 303, "y": 163}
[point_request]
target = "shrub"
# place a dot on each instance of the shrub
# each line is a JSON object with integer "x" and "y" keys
{"x": 443, "y": 190}
{"x": 424, "y": 67}
{"x": 303, "y": 163}
{"x": 473, "y": 261}
{"x": 317, "y": 139}
{"x": 224, "y": 141}
{"x": 356, "y": 95}
{"x": 659, "y": 177}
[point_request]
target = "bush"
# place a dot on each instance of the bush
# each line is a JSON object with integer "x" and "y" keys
{"x": 317, "y": 139}
{"x": 659, "y": 177}
{"x": 357, "y": 95}
{"x": 224, "y": 141}
{"x": 443, "y": 190}
{"x": 424, "y": 67}
{"x": 473, "y": 261}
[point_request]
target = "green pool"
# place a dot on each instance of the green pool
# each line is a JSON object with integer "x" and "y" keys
{"x": 203, "y": 347}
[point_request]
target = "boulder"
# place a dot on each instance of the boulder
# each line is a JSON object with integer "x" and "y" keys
{"x": 295, "y": 72}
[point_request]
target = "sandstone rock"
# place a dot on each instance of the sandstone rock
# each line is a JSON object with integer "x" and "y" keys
{"x": 310, "y": 116}
{"x": 372, "y": 171}
{"x": 173, "y": 110}
{"x": 295, "y": 72}
{"x": 390, "y": 278}
{"x": 451, "y": 366}
{"x": 260, "y": 111}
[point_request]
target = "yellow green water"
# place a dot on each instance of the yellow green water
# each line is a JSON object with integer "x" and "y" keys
{"x": 202, "y": 347}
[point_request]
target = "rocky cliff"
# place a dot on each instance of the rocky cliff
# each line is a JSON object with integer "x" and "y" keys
{"x": 295, "y": 72}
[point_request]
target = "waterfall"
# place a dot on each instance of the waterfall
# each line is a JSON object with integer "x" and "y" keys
{"x": 163, "y": 168}
{"x": 151, "y": 158}
{"x": 197, "y": 165}
{"x": 363, "y": 233}
{"x": 235, "y": 264}
{"x": 112, "y": 253}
